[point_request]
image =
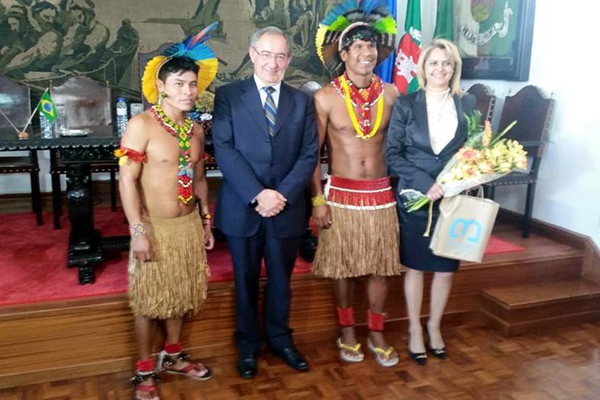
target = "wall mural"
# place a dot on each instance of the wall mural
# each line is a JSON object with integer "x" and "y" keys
{"x": 43, "y": 42}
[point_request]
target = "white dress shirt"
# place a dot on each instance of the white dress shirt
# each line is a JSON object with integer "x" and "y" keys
{"x": 442, "y": 120}
{"x": 263, "y": 94}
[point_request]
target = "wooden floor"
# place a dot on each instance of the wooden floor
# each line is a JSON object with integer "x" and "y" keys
{"x": 557, "y": 364}
{"x": 482, "y": 364}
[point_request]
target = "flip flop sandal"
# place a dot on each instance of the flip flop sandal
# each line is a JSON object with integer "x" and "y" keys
{"x": 356, "y": 355}
{"x": 383, "y": 356}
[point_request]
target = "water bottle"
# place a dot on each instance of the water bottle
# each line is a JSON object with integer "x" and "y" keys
{"x": 121, "y": 115}
{"x": 46, "y": 127}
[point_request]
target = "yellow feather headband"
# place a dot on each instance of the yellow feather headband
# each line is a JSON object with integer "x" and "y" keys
{"x": 193, "y": 48}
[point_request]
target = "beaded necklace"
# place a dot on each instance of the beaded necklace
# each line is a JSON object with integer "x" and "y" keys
{"x": 359, "y": 102}
{"x": 183, "y": 134}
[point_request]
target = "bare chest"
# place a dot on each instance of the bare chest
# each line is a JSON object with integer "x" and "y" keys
{"x": 163, "y": 148}
{"x": 350, "y": 119}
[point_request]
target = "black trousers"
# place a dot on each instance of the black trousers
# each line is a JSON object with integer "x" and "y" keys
{"x": 279, "y": 255}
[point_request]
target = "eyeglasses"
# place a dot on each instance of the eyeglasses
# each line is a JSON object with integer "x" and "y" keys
{"x": 268, "y": 56}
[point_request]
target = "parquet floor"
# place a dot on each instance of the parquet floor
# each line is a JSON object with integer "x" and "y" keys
{"x": 482, "y": 364}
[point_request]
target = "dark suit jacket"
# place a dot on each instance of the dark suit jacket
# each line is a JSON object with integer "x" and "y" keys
{"x": 251, "y": 160}
{"x": 408, "y": 152}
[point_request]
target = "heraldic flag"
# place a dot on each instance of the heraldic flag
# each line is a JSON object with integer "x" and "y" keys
{"x": 46, "y": 107}
{"x": 409, "y": 50}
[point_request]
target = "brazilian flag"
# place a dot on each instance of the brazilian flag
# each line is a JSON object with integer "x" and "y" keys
{"x": 47, "y": 108}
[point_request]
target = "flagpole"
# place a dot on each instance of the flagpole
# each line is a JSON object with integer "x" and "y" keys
{"x": 9, "y": 121}
{"x": 35, "y": 109}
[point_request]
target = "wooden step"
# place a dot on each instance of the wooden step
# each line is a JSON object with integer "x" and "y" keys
{"x": 538, "y": 306}
{"x": 84, "y": 337}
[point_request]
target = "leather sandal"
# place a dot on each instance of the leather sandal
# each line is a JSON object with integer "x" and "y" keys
{"x": 166, "y": 361}
{"x": 140, "y": 387}
{"x": 349, "y": 353}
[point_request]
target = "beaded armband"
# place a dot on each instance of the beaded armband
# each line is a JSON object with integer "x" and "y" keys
{"x": 318, "y": 200}
{"x": 137, "y": 230}
{"x": 125, "y": 154}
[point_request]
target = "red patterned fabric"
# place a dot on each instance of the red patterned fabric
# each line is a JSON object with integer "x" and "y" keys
{"x": 133, "y": 155}
{"x": 145, "y": 366}
{"x": 375, "y": 321}
{"x": 345, "y": 316}
{"x": 173, "y": 348}
{"x": 350, "y": 192}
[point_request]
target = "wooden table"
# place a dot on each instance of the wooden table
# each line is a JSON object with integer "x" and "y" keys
{"x": 86, "y": 244}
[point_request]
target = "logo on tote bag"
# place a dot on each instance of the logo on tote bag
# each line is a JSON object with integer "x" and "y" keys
{"x": 460, "y": 227}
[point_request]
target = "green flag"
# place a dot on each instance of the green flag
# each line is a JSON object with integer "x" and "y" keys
{"x": 502, "y": 25}
{"x": 444, "y": 22}
{"x": 46, "y": 107}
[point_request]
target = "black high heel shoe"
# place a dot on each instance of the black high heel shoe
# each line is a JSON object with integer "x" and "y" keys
{"x": 439, "y": 352}
{"x": 419, "y": 358}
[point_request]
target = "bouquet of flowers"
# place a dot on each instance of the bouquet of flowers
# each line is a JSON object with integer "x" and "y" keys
{"x": 485, "y": 157}
{"x": 202, "y": 114}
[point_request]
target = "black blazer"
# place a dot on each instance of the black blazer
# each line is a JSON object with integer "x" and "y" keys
{"x": 408, "y": 151}
{"x": 250, "y": 160}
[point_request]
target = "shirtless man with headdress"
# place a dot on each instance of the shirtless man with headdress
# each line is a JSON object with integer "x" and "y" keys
{"x": 356, "y": 212}
{"x": 161, "y": 178}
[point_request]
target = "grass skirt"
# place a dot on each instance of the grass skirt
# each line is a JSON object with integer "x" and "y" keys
{"x": 363, "y": 239}
{"x": 173, "y": 284}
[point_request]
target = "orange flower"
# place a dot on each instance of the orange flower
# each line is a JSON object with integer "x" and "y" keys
{"x": 487, "y": 134}
{"x": 468, "y": 153}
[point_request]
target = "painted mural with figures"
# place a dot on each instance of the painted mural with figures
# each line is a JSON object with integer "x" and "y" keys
{"x": 47, "y": 41}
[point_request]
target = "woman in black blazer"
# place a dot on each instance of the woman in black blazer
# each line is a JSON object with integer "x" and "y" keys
{"x": 426, "y": 129}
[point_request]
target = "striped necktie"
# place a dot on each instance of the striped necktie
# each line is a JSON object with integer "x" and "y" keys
{"x": 270, "y": 110}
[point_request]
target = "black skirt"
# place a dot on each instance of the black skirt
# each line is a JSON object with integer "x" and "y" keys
{"x": 414, "y": 247}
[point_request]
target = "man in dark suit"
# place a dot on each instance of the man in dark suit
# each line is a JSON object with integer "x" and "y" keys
{"x": 266, "y": 147}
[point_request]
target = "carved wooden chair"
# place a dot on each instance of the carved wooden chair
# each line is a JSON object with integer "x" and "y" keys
{"x": 533, "y": 113}
{"x": 485, "y": 100}
{"x": 15, "y": 102}
{"x": 89, "y": 104}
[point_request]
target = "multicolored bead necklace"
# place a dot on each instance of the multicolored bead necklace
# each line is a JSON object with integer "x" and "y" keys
{"x": 184, "y": 135}
{"x": 359, "y": 103}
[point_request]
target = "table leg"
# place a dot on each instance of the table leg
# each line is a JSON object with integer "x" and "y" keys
{"x": 84, "y": 248}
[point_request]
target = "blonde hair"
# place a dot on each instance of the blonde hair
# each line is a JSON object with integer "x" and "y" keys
{"x": 454, "y": 56}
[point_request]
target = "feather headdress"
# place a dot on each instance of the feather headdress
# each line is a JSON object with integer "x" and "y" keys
{"x": 346, "y": 16}
{"x": 194, "y": 48}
